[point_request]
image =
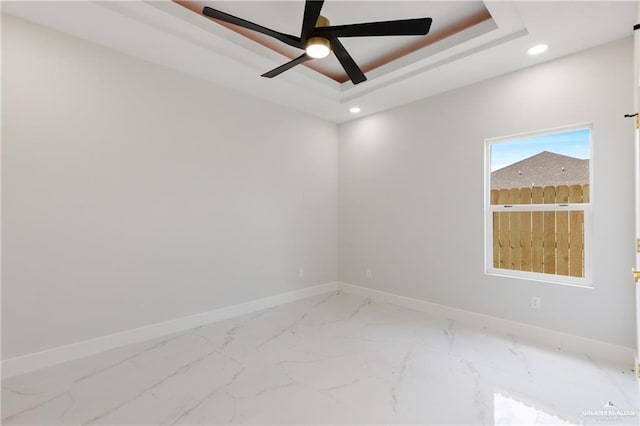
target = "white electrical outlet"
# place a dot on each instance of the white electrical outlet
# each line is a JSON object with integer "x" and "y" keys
{"x": 536, "y": 302}
{"x": 369, "y": 273}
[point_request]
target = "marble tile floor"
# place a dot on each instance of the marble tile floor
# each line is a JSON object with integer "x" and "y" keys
{"x": 330, "y": 359}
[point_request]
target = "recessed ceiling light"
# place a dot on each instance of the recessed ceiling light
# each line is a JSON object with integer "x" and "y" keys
{"x": 354, "y": 110}
{"x": 537, "y": 49}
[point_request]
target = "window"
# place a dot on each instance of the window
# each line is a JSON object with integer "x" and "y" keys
{"x": 538, "y": 206}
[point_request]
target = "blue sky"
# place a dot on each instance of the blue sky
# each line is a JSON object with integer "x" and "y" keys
{"x": 574, "y": 143}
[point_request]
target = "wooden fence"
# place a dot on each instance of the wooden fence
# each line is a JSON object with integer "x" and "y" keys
{"x": 551, "y": 242}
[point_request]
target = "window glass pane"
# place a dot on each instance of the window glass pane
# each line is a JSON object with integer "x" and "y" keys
{"x": 553, "y": 168}
{"x": 561, "y": 194}
{"x": 550, "y": 242}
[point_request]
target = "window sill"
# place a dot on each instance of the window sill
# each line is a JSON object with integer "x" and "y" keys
{"x": 538, "y": 277}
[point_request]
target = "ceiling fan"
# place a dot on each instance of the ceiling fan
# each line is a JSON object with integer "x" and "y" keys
{"x": 318, "y": 38}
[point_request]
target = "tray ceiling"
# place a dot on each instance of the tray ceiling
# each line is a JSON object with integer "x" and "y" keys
{"x": 469, "y": 41}
{"x": 370, "y": 53}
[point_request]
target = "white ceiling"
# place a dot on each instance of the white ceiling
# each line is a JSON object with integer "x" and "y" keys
{"x": 172, "y": 35}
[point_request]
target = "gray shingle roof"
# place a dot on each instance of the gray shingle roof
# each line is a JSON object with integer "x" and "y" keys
{"x": 545, "y": 168}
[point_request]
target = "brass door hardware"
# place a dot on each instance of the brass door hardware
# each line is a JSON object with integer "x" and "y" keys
{"x": 636, "y": 275}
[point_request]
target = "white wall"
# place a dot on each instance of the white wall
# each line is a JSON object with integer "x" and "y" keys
{"x": 411, "y": 194}
{"x": 132, "y": 194}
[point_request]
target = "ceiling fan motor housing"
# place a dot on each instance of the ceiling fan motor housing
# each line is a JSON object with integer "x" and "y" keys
{"x": 322, "y": 22}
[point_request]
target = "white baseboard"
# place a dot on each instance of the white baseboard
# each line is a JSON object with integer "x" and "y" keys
{"x": 620, "y": 355}
{"x": 37, "y": 360}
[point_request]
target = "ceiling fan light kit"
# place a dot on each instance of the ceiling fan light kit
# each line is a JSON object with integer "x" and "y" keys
{"x": 318, "y": 47}
{"x": 318, "y": 38}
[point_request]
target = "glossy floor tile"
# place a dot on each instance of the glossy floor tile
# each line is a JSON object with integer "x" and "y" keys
{"x": 331, "y": 359}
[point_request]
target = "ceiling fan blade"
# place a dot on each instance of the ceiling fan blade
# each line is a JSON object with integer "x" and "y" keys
{"x": 282, "y": 68}
{"x": 418, "y": 26}
{"x": 311, "y": 12}
{"x": 353, "y": 70}
{"x": 285, "y": 38}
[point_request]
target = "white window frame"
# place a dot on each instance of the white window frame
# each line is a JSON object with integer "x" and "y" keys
{"x": 489, "y": 209}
